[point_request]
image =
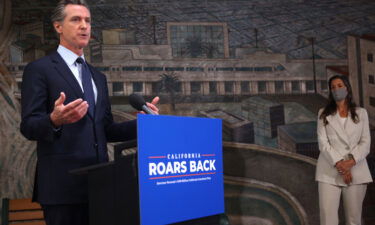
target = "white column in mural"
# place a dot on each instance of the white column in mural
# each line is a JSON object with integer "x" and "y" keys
{"x": 254, "y": 87}
{"x": 187, "y": 90}
{"x": 206, "y": 88}
{"x": 128, "y": 88}
{"x": 110, "y": 88}
{"x": 237, "y": 87}
{"x": 148, "y": 88}
{"x": 270, "y": 87}
{"x": 220, "y": 88}
{"x": 288, "y": 87}
{"x": 303, "y": 87}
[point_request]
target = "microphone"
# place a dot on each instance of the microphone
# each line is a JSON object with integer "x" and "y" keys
{"x": 139, "y": 103}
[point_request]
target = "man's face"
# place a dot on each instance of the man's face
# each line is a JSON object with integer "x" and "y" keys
{"x": 75, "y": 29}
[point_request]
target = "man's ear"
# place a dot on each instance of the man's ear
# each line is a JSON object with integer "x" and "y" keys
{"x": 58, "y": 27}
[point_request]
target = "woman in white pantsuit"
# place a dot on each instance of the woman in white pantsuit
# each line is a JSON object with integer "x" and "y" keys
{"x": 344, "y": 143}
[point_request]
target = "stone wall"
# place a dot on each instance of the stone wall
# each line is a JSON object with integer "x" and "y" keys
{"x": 17, "y": 155}
{"x": 289, "y": 171}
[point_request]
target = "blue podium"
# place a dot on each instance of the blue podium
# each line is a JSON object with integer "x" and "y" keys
{"x": 176, "y": 176}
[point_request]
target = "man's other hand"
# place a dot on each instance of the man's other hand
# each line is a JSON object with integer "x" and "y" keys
{"x": 70, "y": 113}
{"x": 153, "y": 104}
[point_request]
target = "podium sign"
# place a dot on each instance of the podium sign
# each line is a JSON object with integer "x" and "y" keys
{"x": 180, "y": 168}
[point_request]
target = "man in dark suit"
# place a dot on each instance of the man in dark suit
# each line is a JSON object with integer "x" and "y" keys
{"x": 66, "y": 109}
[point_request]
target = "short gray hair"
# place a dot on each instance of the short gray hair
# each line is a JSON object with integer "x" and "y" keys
{"x": 58, "y": 14}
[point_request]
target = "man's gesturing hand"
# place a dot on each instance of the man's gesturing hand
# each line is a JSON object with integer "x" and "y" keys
{"x": 153, "y": 106}
{"x": 70, "y": 113}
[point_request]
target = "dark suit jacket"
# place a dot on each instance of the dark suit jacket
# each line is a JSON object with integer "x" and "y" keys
{"x": 76, "y": 145}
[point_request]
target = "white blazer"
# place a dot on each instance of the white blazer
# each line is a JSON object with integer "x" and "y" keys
{"x": 336, "y": 141}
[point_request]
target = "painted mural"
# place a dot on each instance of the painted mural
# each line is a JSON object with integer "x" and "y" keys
{"x": 259, "y": 65}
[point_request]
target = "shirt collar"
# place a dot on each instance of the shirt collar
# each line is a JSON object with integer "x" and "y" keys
{"x": 68, "y": 56}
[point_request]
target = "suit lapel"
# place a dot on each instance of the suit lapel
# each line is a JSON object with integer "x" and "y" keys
{"x": 335, "y": 123}
{"x": 99, "y": 87}
{"x": 67, "y": 74}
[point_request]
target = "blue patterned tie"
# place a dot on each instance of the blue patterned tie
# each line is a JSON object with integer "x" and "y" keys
{"x": 88, "y": 91}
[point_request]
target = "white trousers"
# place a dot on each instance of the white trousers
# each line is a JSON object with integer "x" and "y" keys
{"x": 329, "y": 202}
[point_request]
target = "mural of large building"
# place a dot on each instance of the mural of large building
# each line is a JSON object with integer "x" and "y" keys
{"x": 361, "y": 52}
{"x": 235, "y": 128}
{"x": 300, "y": 138}
{"x": 138, "y": 68}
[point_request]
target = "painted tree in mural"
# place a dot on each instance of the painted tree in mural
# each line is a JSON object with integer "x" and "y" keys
{"x": 170, "y": 84}
{"x": 195, "y": 47}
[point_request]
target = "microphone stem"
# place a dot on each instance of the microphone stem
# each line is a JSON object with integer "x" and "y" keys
{"x": 148, "y": 110}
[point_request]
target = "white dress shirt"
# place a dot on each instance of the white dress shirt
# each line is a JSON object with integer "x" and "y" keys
{"x": 70, "y": 59}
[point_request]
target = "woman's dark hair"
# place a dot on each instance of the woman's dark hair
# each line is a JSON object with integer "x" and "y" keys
{"x": 331, "y": 107}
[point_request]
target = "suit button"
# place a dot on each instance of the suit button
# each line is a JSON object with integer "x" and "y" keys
{"x": 95, "y": 145}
